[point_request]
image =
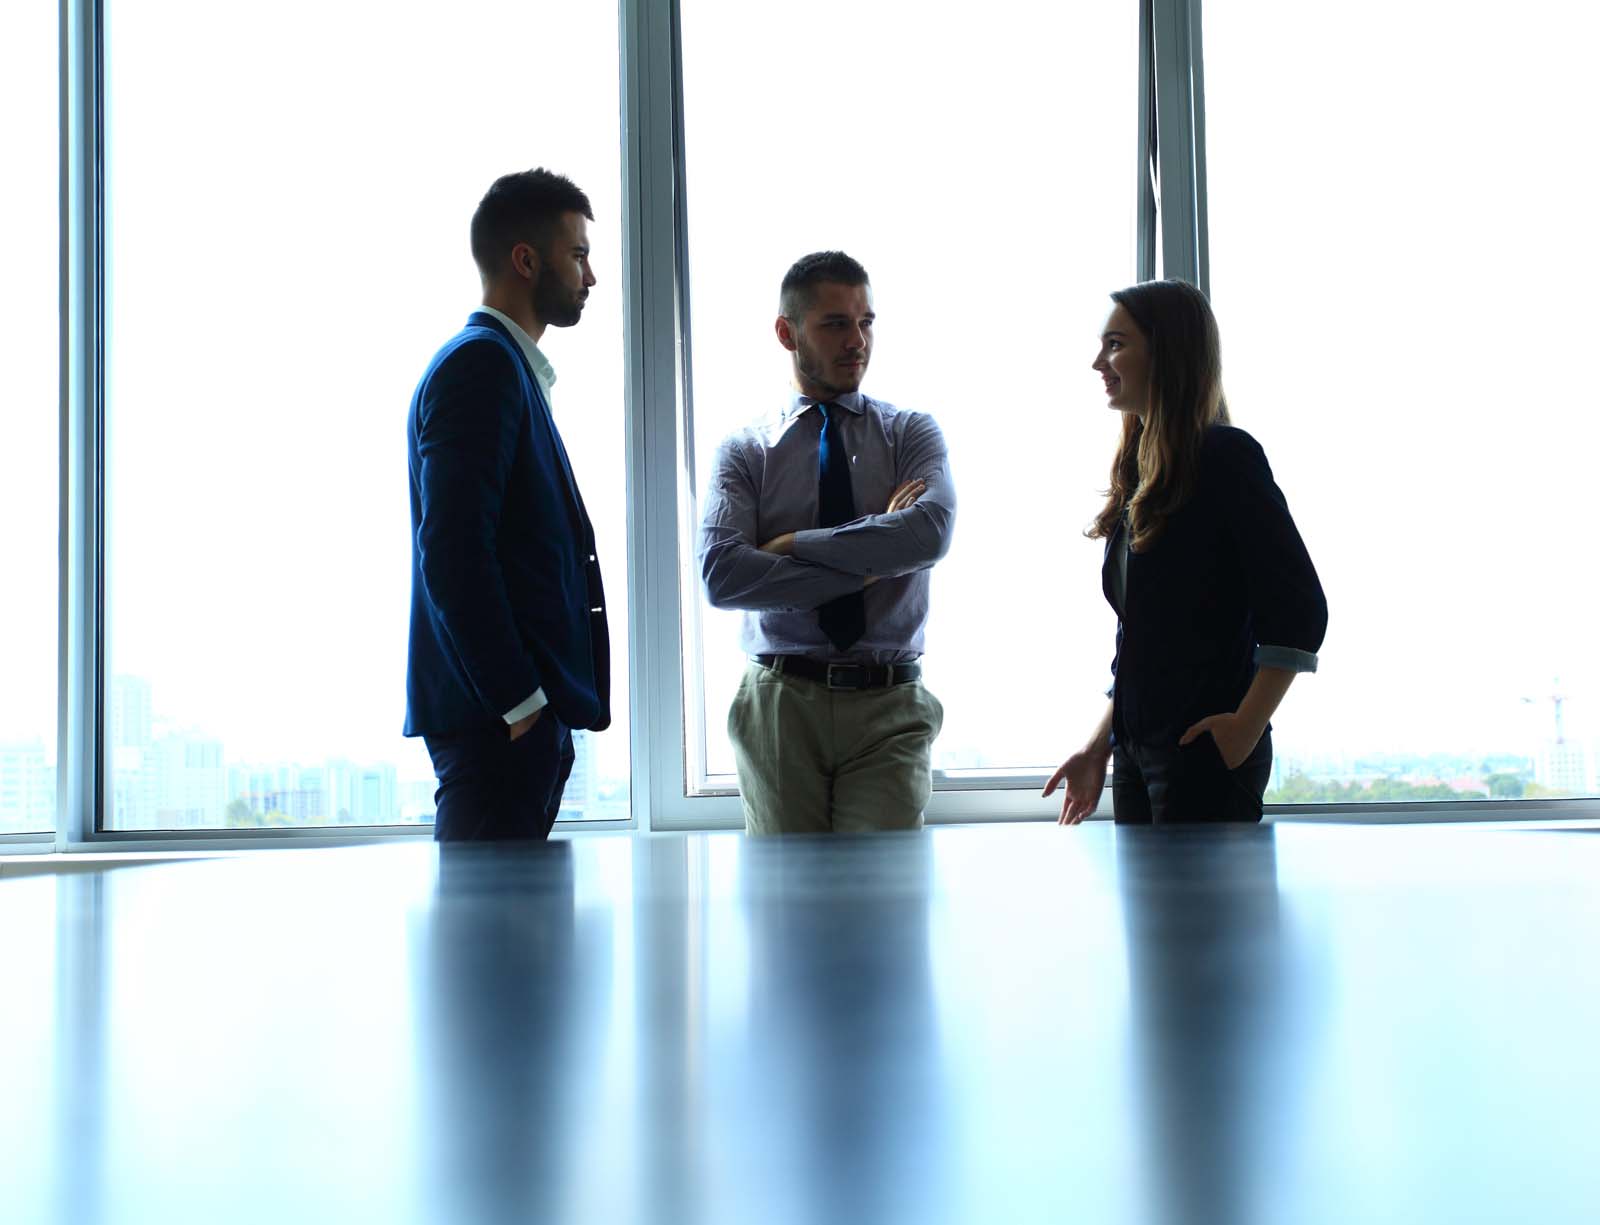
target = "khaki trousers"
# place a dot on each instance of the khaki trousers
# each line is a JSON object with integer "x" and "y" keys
{"x": 818, "y": 760}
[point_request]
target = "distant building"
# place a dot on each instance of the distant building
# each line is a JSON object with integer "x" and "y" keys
{"x": 375, "y": 796}
{"x": 338, "y": 792}
{"x": 579, "y": 796}
{"x": 27, "y": 787}
{"x": 285, "y": 789}
{"x": 132, "y": 723}
{"x": 132, "y": 754}
{"x": 1567, "y": 766}
{"x": 133, "y": 787}
{"x": 416, "y": 800}
{"x": 163, "y": 778}
{"x": 358, "y": 795}
{"x": 190, "y": 782}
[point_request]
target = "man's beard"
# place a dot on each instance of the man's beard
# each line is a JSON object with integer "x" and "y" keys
{"x": 555, "y": 305}
{"x": 817, "y": 372}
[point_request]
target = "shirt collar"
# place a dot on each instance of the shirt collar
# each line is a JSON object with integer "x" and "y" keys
{"x": 852, "y": 400}
{"x": 542, "y": 369}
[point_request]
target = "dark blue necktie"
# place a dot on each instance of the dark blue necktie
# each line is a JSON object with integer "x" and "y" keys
{"x": 844, "y": 619}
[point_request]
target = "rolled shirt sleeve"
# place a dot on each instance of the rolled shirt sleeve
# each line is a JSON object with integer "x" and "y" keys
{"x": 1287, "y": 603}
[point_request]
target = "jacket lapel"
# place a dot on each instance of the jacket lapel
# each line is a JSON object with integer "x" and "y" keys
{"x": 575, "y": 507}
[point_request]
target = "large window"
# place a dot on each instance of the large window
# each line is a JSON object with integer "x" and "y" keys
{"x": 30, "y": 424}
{"x": 982, "y": 171}
{"x": 288, "y": 202}
{"x": 280, "y": 233}
{"x": 1397, "y": 199}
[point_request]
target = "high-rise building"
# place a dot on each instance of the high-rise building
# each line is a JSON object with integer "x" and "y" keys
{"x": 285, "y": 791}
{"x": 578, "y": 798}
{"x": 374, "y": 796}
{"x": 132, "y": 722}
{"x": 132, "y": 754}
{"x": 133, "y": 787}
{"x": 190, "y": 782}
{"x": 358, "y": 795}
{"x": 337, "y": 792}
{"x": 27, "y": 787}
{"x": 416, "y": 799}
{"x": 1567, "y": 766}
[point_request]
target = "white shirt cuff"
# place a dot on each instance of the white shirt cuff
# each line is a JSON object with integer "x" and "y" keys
{"x": 536, "y": 701}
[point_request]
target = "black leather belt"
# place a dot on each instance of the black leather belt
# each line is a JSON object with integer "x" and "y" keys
{"x": 842, "y": 675}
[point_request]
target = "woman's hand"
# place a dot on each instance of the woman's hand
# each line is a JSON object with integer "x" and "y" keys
{"x": 1085, "y": 776}
{"x": 1235, "y": 734}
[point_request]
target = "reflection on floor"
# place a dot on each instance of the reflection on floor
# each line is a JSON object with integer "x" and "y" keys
{"x": 1017, "y": 1024}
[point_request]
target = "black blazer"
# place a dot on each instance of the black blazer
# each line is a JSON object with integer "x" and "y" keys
{"x": 1226, "y": 586}
{"x": 505, "y": 586}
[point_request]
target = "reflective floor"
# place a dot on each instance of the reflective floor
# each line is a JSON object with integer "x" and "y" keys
{"x": 1018, "y": 1024}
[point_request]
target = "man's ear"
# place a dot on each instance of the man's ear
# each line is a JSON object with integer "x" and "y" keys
{"x": 525, "y": 261}
{"x": 785, "y": 330}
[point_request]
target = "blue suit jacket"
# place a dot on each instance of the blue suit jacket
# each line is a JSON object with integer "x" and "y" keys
{"x": 505, "y": 586}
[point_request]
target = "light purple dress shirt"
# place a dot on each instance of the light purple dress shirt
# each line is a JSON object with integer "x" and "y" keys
{"x": 764, "y": 483}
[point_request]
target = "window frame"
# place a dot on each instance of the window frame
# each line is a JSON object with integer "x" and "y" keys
{"x": 1171, "y": 210}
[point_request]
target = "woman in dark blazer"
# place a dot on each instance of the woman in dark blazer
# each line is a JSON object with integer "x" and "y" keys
{"x": 1218, "y": 604}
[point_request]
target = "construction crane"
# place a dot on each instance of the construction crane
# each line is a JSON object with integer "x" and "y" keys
{"x": 1556, "y": 699}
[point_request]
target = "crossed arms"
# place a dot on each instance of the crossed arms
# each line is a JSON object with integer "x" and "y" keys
{"x": 802, "y": 570}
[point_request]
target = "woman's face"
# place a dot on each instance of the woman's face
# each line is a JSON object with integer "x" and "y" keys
{"x": 1124, "y": 363}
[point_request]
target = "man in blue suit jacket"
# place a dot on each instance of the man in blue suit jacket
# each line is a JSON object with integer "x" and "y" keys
{"x": 509, "y": 647}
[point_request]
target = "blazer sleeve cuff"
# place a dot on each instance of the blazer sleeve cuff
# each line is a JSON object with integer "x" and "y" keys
{"x": 535, "y": 701}
{"x": 1290, "y": 659}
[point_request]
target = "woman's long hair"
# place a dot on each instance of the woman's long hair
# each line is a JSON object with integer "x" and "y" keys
{"x": 1153, "y": 473}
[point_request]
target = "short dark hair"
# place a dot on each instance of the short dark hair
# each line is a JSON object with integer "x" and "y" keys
{"x": 809, "y": 271}
{"x": 521, "y": 207}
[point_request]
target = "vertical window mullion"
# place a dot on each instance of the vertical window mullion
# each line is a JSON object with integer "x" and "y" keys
{"x": 1147, "y": 218}
{"x": 649, "y": 171}
{"x": 1178, "y": 143}
{"x": 80, "y": 739}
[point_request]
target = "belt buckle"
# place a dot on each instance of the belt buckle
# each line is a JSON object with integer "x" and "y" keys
{"x": 832, "y": 668}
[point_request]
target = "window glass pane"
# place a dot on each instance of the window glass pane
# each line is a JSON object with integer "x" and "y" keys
{"x": 29, "y": 467}
{"x": 289, "y": 199}
{"x": 1406, "y": 324}
{"x": 982, "y": 171}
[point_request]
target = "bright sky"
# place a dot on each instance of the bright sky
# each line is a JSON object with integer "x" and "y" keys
{"x": 1405, "y": 312}
{"x": 1406, "y": 317}
{"x": 29, "y": 412}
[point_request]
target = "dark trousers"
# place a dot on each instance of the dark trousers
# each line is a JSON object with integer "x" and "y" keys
{"x": 493, "y": 788}
{"x": 1165, "y": 784}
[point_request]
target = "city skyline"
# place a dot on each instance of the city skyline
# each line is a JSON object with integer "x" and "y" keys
{"x": 166, "y": 775}
{"x": 170, "y": 776}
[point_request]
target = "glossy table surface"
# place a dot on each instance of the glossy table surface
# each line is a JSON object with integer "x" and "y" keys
{"x": 1017, "y": 1024}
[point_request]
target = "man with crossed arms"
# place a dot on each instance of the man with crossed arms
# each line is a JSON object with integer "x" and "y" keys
{"x": 822, "y": 523}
